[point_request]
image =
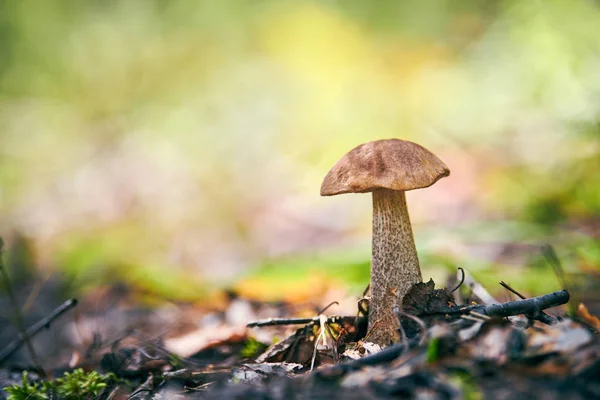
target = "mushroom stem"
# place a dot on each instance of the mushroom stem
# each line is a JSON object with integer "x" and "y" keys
{"x": 395, "y": 265}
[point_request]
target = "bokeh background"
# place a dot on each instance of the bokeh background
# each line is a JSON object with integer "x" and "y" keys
{"x": 179, "y": 146}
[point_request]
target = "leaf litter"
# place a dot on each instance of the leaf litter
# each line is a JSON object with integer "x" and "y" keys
{"x": 451, "y": 348}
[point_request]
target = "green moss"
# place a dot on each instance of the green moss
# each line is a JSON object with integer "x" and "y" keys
{"x": 252, "y": 348}
{"x": 72, "y": 386}
{"x": 470, "y": 390}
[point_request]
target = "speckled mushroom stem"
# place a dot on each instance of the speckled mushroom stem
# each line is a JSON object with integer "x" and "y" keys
{"x": 395, "y": 265}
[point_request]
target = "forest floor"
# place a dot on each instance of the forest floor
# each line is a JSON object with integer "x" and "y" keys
{"x": 457, "y": 343}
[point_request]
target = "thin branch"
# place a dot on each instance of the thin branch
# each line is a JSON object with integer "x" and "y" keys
{"x": 479, "y": 315}
{"x": 327, "y": 307}
{"x": 462, "y": 280}
{"x": 366, "y": 290}
{"x": 282, "y": 321}
{"x": 510, "y": 289}
{"x": 294, "y": 321}
{"x": 532, "y": 306}
{"x": 37, "y": 327}
{"x": 473, "y": 318}
{"x": 542, "y": 317}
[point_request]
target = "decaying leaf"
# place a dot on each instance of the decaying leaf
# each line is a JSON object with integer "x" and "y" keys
{"x": 297, "y": 348}
{"x": 497, "y": 341}
{"x": 590, "y": 320}
{"x": 564, "y": 336}
{"x": 132, "y": 362}
{"x": 424, "y": 298}
{"x": 200, "y": 339}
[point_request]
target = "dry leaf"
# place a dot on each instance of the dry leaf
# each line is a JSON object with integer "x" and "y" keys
{"x": 589, "y": 319}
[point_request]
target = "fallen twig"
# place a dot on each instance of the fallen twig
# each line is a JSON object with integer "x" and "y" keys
{"x": 282, "y": 321}
{"x": 292, "y": 321}
{"x": 542, "y": 317}
{"x": 482, "y": 317}
{"x": 532, "y": 306}
{"x": 35, "y": 328}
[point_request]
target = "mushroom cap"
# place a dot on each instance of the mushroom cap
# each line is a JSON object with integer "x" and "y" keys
{"x": 384, "y": 164}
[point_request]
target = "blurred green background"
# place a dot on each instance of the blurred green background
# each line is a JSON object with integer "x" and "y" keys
{"x": 180, "y": 145}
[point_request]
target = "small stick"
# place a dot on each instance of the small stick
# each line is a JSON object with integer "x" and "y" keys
{"x": 532, "y": 306}
{"x": 282, "y": 321}
{"x": 366, "y": 290}
{"x": 510, "y": 289}
{"x": 201, "y": 388}
{"x": 462, "y": 280}
{"x": 472, "y": 318}
{"x": 327, "y": 307}
{"x": 519, "y": 295}
{"x": 37, "y": 327}
{"x": 542, "y": 317}
{"x": 17, "y": 309}
{"x": 479, "y": 315}
{"x": 293, "y": 321}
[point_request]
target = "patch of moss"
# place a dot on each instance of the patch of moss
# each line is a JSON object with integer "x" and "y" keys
{"x": 470, "y": 390}
{"x": 72, "y": 386}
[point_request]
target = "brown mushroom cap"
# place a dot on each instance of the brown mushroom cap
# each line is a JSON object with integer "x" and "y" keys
{"x": 384, "y": 164}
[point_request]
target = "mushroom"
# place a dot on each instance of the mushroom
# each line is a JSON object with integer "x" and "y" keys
{"x": 387, "y": 168}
